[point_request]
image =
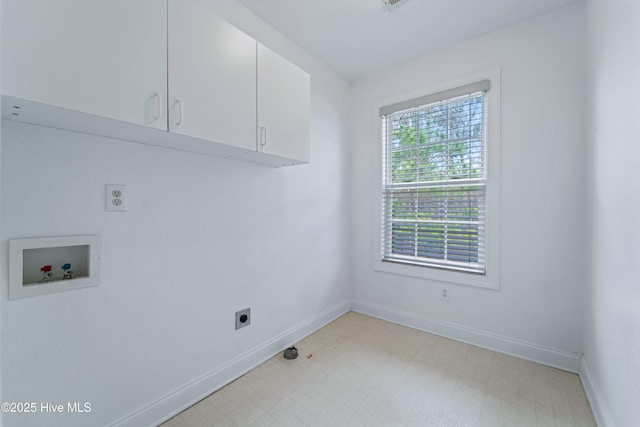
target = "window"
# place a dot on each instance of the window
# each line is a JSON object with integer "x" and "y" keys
{"x": 434, "y": 172}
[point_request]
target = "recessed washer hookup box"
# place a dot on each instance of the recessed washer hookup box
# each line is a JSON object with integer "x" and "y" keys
{"x": 44, "y": 265}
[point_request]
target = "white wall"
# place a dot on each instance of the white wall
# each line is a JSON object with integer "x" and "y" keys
{"x": 611, "y": 365}
{"x": 202, "y": 238}
{"x": 537, "y": 312}
{"x": 1, "y": 267}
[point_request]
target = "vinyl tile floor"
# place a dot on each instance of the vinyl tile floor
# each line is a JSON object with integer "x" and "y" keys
{"x": 362, "y": 371}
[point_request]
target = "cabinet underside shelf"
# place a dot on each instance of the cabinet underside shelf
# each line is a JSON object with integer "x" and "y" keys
{"x": 21, "y": 110}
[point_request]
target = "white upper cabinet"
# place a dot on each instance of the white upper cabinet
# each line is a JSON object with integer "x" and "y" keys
{"x": 212, "y": 77}
{"x": 106, "y": 58}
{"x": 283, "y": 107}
{"x": 164, "y": 72}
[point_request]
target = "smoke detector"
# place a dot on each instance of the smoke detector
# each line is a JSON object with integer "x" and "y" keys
{"x": 390, "y": 4}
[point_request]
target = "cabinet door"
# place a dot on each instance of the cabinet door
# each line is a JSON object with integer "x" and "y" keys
{"x": 283, "y": 106}
{"x": 212, "y": 77}
{"x": 102, "y": 57}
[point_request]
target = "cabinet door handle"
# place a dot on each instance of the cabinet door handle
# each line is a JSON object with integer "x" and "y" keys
{"x": 158, "y": 114}
{"x": 263, "y": 136}
{"x": 179, "y": 104}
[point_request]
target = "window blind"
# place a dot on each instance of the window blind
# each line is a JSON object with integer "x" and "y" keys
{"x": 434, "y": 179}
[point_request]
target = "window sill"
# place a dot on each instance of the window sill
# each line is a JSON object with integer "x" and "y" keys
{"x": 488, "y": 280}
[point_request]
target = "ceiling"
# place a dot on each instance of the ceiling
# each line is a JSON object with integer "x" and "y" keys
{"x": 357, "y": 38}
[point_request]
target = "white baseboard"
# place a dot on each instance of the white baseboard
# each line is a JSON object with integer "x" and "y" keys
{"x": 536, "y": 353}
{"x": 185, "y": 396}
{"x": 598, "y": 406}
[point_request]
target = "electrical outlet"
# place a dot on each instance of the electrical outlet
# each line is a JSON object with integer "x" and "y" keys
{"x": 243, "y": 318}
{"x": 115, "y": 198}
{"x": 444, "y": 293}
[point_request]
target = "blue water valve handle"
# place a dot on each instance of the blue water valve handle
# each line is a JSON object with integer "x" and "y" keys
{"x": 66, "y": 267}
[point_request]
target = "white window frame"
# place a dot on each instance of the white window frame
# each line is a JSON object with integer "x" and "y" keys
{"x": 491, "y": 278}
